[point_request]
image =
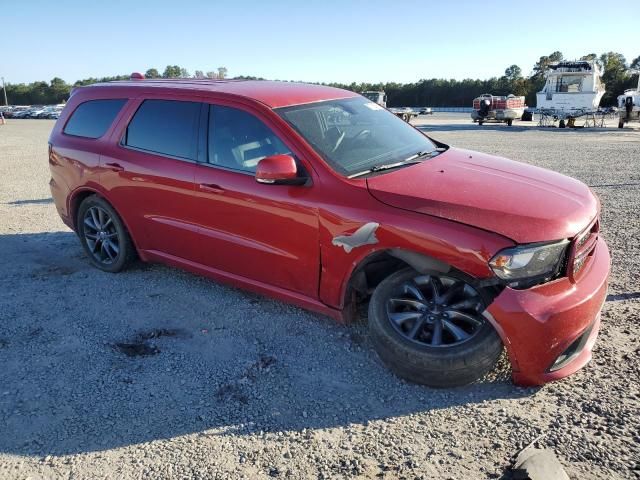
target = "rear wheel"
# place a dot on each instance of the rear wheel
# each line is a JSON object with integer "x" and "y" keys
{"x": 431, "y": 329}
{"x": 509, "y": 122}
{"x": 620, "y": 124}
{"x": 103, "y": 235}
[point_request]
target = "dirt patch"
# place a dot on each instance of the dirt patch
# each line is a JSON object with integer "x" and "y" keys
{"x": 264, "y": 364}
{"x": 140, "y": 349}
{"x": 233, "y": 392}
{"x": 158, "y": 333}
{"x": 139, "y": 345}
{"x": 52, "y": 271}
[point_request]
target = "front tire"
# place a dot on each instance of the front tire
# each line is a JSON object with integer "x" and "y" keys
{"x": 103, "y": 235}
{"x": 431, "y": 329}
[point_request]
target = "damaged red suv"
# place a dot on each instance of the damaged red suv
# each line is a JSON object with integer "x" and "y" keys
{"x": 319, "y": 197}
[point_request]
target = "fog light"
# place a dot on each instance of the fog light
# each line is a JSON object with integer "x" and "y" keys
{"x": 572, "y": 350}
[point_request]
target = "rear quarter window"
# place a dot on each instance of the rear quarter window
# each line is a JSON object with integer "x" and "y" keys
{"x": 93, "y": 118}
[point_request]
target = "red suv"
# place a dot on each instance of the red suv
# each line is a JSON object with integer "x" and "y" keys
{"x": 320, "y": 197}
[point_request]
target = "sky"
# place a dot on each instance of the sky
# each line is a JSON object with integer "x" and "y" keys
{"x": 316, "y": 41}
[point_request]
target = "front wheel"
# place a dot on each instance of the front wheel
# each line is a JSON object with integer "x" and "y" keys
{"x": 432, "y": 329}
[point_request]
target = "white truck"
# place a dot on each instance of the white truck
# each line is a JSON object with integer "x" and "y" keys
{"x": 380, "y": 98}
{"x": 629, "y": 105}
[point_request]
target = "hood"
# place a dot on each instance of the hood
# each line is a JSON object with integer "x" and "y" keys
{"x": 519, "y": 201}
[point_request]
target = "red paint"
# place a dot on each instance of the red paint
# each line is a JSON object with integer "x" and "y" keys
{"x": 541, "y": 322}
{"x": 460, "y": 207}
{"x": 520, "y": 201}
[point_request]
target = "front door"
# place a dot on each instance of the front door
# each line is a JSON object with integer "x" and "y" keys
{"x": 266, "y": 233}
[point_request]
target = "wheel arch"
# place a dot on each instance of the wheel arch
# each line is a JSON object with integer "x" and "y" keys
{"x": 80, "y": 195}
{"x": 375, "y": 267}
{"x": 76, "y": 198}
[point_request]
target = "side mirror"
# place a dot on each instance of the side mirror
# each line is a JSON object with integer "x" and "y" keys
{"x": 278, "y": 170}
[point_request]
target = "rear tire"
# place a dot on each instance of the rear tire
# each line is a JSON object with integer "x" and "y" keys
{"x": 103, "y": 235}
{"x": 509, "y": 122}
{"x": 447, "y": 362}
{"x": 620, "y": 124}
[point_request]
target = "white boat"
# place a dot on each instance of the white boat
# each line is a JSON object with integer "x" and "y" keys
{"x": 571, "y": 88}
{"x": 629, "y": 105}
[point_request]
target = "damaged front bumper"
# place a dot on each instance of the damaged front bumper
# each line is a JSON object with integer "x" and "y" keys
{"x": 549, "y": 330}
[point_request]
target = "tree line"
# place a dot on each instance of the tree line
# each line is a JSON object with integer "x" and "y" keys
{"x": 438, "y": 92}
{"x": 432, "y": 92}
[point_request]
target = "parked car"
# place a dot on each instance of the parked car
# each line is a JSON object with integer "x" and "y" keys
{"x": 20, "y": 112}
{"x": 322, "y": 198}
{"x": 33, "y": 112}
{"x": 43, "y": 113}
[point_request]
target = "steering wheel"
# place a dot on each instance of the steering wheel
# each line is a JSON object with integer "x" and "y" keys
{"x": 362, "y": 134}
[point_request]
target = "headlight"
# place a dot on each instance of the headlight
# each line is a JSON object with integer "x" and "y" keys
{"x": 527, "y": 265}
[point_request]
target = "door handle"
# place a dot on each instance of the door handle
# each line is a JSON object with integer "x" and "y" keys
{"x": 116, "y": 167}
{"x": 211, "y": 187}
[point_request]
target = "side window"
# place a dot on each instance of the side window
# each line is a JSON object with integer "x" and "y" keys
{"x": 167, "y": 127}
{"x": 238, "y": 140}
{"x": 92, "y": 119}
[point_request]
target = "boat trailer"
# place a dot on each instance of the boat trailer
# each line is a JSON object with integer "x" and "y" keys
{"x": 562, "y": 119}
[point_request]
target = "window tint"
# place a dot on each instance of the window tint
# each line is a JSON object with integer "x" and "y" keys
{"x": 238, "y": 140}
{"x": 93, "y": 118}
{"x": 165, "y": 126}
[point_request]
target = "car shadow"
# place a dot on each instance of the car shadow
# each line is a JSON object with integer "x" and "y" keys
{"x": 39, "y": 201}
{"x": 93, "y": 361}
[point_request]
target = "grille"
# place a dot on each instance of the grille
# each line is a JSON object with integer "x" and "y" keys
{"x": 582, "y": 248}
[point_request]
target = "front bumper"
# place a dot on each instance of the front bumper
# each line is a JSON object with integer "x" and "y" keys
{"x": 539, "y": 324}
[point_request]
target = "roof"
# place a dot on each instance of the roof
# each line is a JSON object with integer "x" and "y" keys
{"x": 271, "y": 93}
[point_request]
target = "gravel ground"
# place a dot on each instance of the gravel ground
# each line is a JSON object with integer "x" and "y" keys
{"x": 157, "y": 373}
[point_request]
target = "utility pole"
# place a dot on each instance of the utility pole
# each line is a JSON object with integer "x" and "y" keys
{"x": 4, "y": 89}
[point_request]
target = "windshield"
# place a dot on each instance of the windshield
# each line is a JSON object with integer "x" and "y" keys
{"x": 354, "y": 134}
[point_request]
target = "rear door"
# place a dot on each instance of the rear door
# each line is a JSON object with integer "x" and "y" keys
{"x": 149, "y": 173}
{"x": 266, "y": 233}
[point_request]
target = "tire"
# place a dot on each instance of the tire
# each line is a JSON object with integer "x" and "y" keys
{"x": 101, "y": 252}
{"x": 509, "y": 122}
{"x": 480, "y": 122}
{"x": 436, "y": 366}
{"x": 620, "y": 124}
